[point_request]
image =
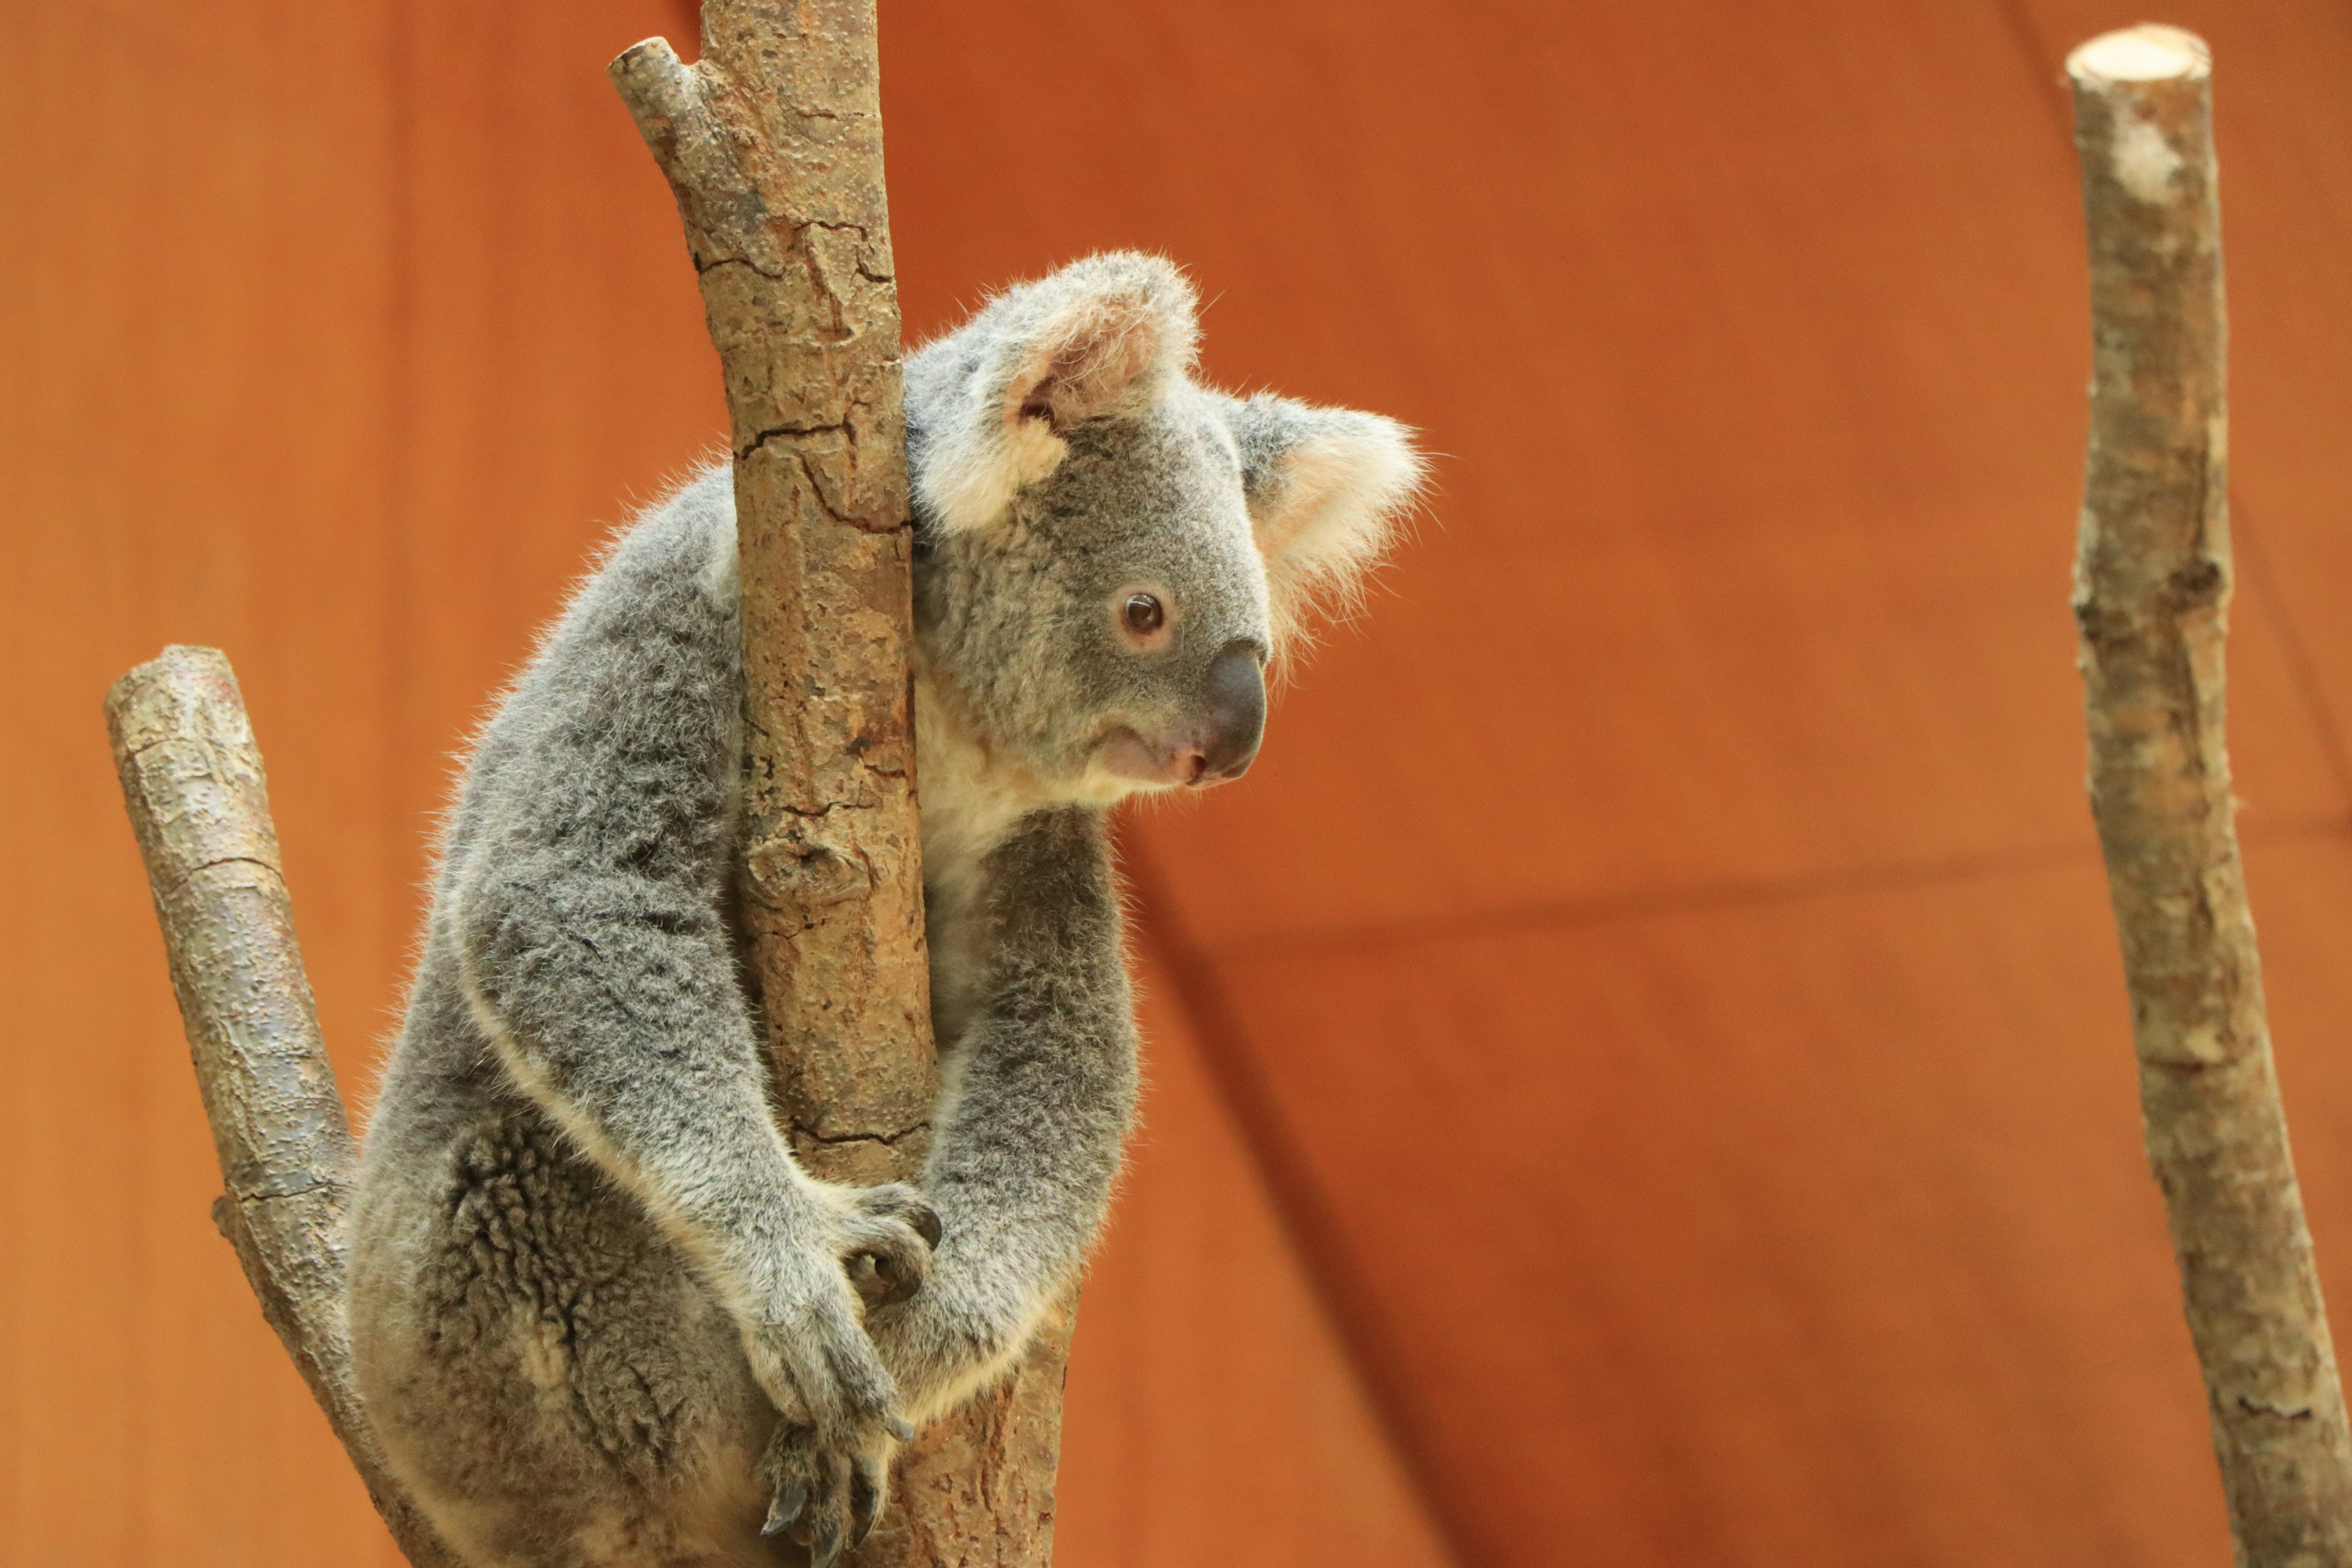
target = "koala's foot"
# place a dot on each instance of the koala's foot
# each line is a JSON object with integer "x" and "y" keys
{"x": 828, "y": 1498}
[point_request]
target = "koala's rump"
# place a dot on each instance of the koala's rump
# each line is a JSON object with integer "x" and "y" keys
{"x": 546, "y": 1372}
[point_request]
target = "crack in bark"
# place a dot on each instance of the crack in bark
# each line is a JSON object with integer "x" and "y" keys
{"x": 330, "y": 1186}
{"x": 816, "y": 492}
{"x": 839, "y": 427}
{"x": 2275, "y": 1412}
{"x": 887, "y": 1140}
{"x": 181, "y": 882}
{"x": 704, "y": 267}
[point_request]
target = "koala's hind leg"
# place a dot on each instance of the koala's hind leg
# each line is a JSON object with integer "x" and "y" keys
{"x": 549, "y": 1377}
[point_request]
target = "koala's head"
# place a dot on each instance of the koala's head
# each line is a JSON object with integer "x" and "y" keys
{"x": 1108, "y": 553}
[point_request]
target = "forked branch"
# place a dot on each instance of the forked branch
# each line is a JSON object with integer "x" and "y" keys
{"x": 772, "y": 144}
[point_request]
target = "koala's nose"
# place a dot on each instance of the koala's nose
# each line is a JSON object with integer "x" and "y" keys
{"x": 1236, "y": 716}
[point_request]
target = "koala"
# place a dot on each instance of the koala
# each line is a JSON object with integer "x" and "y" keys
{"x": 598, "y": 1313}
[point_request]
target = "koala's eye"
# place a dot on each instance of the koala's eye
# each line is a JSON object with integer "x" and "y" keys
{"x": 1143, "y": 615}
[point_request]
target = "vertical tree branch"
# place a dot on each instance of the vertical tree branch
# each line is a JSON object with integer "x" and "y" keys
{"x": 191, "y": 778}
{"x": 2151, "y": 599}
{"x": 772, "y": 144}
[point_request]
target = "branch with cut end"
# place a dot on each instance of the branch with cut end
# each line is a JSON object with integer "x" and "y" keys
{"x": 772, "y": 144}
{"x": 2151, "y": 600}
{"x": 192, "y": 781}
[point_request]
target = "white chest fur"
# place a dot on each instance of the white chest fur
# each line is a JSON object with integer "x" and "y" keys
{"x": 971, "y": 801}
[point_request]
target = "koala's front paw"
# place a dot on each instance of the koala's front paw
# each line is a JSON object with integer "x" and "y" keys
{"x": 828, "y": 1464}
{"x": 810, "y": 1352}
{"x": 827, "y": 1496}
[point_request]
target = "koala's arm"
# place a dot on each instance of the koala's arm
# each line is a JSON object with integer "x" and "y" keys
{"x": 1042, "y": 1092}
{"x": 590, "y": 854}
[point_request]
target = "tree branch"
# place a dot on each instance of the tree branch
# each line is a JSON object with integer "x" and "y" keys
{"x": 2152, "y": 583}
{"x": 191, "y": 778}
{"x": 772, "y": 144}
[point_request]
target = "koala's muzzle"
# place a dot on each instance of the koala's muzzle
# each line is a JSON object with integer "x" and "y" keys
{"x": 1234, "y": 720}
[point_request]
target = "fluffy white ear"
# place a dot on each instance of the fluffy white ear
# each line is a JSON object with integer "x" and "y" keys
{"x": 989, "y": 403}
{"x": 1328, "y": 491}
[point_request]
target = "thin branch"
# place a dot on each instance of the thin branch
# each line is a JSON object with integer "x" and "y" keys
{"x": 191, "y": 778}
{"x": 2151, "y": 599}
{"x": 772, "y": 144}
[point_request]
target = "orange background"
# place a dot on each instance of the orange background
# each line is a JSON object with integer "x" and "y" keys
{"x": 1639, "y": 1072}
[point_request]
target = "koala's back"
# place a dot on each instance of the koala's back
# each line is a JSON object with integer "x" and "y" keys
{"x": 654, "y": 629}
{"x": 545, "y": 1368}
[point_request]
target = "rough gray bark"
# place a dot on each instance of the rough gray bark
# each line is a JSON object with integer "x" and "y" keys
{"x": 772, "y": 144}
{"x": 192, "y": 781}
{"x": 2151, "y": 598}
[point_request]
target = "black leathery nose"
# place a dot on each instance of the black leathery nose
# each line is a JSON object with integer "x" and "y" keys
{"x": 1236, "y": 708}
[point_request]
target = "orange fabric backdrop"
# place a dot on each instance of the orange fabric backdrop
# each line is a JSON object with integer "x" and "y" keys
{"x": 1644, "y": 1067}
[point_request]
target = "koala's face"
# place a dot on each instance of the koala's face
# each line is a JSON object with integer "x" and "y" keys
{"x": 1115, "y": 627}
{"x": 1109, "y": 554}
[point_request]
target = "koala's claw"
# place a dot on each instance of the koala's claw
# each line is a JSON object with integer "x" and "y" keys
{"x": 792, "y": 1496}
{"x": 901, "y": 1429}
{"x": 898, "y": 1201}
{"x": 826, "y": 1495}
{"x": 909, "y": 1207}
{"x": 864, "y": 1503}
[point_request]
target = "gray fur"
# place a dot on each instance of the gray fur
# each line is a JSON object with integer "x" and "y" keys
{"x": 598, "y": 1313}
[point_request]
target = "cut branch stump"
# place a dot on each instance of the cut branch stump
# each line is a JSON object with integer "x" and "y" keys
{"x": 199, "y": 802}
{"x": 2152, "y": 583}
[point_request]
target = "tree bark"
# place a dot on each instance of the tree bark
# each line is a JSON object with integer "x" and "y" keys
{"x": 772, "y": 144}
{"x": 193, "y": 780}
{"x": 2151, "y": 600}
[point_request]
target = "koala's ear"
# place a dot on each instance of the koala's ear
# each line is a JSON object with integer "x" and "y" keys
{"x": 1100, "y": 338}
{"x": 1327, "y": 488}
